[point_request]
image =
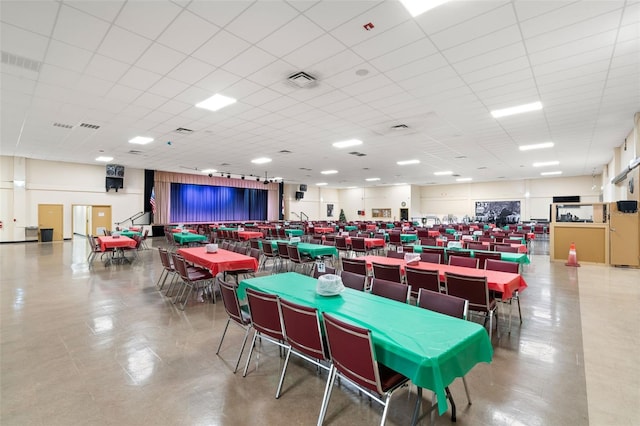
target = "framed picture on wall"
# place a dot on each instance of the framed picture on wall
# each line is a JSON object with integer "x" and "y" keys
{"x": 329, "y": 210}
{"x": 384, "y": 213}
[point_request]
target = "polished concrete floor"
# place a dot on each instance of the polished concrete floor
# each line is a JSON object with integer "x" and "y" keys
{"x": 101, "y": 346}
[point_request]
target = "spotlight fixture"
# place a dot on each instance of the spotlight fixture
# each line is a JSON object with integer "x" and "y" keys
{"x": 242, "y": 177}
{"x": 257, "y": 179}
{"x": 228, "y": 176}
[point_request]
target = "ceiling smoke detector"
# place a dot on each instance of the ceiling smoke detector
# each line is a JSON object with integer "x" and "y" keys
{"x": 302, "y": 79}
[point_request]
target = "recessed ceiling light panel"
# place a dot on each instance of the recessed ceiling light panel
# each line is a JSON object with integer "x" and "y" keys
{"x": 216, "y": 102}
{"x": 444, "y": 173}
{"x": 321, "y": 184}
{"x": 209, "y": 171}
{"x": 329, "y": 172}
{"x": 542, "y": 145}
{"x": 141, "y": 140}
{"x": 347, "y": 143}
{"x": 372, "y": 179}
{"x": 407, "y": 162}
{"x": 418, "y": 7}
{"x": 550, "y": 173}
{"x": 467, "y": 179}
{"x": 505, "y": 112}
{"x": 261, "y": 160}
{"x": 105, "y": 159}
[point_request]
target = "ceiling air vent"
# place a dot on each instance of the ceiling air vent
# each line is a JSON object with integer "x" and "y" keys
{"x": 134, "y": 152}
{"x": 302, "y": 79}
{"x": 65, "y": 126}
{"x": 357, "y": 154}
{"x": 285, "y": 151}
{"x": 21, "y": 61}
{"x": 304, "y": 168}
{"x": 183, "y": 131}
{"x": 399, "y": 127}
{"x": 89, "y": 126}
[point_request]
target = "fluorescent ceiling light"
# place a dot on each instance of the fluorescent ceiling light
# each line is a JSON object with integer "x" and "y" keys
{"x": 329, "y": 172}
{"x": 418, "y": 7}
{"x": 534, "y": 106}
{"x": 447, "y": 173}
{"x": 536, "y": 146}
{"x": 550, "y": 173}
{"x": 261, "y": 160}
{"x": 351, "y": 187}
{"x": 141, "y": 140}
{"x": 464, "y": 179}
{"x": 321, "y": 183}
{"x": 546, "y": 163}
{"x": 216, "y": 102}
{"x": 209, "y": 171}
{"x": 106, "y": 159}
{"x": 345, "y": 144}
{"x": 407, "y": 162}
{"x": 372, "y": 179}
{"x": 19, "y": 183}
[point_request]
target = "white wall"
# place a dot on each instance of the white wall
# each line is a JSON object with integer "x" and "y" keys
{"x": 49, "y": 182}
{"x": 314, "y": 203}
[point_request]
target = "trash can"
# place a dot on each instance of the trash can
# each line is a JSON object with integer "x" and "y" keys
{"x": 46, "y": 235}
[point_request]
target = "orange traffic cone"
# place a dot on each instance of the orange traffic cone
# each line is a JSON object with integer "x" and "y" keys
{"x": 573, "y": 257}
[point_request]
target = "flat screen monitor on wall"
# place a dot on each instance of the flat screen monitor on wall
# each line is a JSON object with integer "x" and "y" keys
{"x": 114, "y": 183}
{"x": 303, "y": 187}
{"x": 299, "y": 195}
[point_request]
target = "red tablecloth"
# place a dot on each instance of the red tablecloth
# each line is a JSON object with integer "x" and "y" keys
{"x": 320, "y": 230}
{"x": 111, "y": 242}
{"x": 247, "y": 235}
{"x": 433, "y": 233}
{"x": 193, "y": 231}
{"x": 522, "y": 248}
{"x": 371, "y": 227}
{"x": 504, "y": 282}
{"x": 134, "y": 228}
{"x": 369, "y": 242}
{"x": 222, "y": 260}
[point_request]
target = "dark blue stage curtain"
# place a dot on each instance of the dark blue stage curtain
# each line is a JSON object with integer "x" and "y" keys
{"x": 203, "y": 203}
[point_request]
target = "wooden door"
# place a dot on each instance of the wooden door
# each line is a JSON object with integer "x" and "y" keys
{"x": 50, "y": 216}
{"x": 624, "y": 237}
{"x": 404, "y": 214}
{"x": 100, "y": 218}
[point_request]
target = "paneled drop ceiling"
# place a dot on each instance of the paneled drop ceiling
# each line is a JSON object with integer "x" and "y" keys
{"x": 408, "y": 88}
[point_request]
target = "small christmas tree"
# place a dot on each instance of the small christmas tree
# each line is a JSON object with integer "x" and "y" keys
{"x": 343, "y": 218}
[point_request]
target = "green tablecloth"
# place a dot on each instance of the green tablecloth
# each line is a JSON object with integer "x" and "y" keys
{"x": 407, "y": 238}
{"x": 224, "y": 228}
{"x": 429, "y": 348}
{"x": 129, "y": 233}
{"x": 294, "y": 232}
{"x": 313, "y": 250}
{"x": 450, "y": 231}
{"x": 188, "y": 238}
{"x": 521, "y": 258}
{"x": 390, "y": 226}
{"x": 350, "y": 228}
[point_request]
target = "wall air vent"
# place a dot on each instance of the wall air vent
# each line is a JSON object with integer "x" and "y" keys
{"x": 65, "y": 126}
{"x": 183, "y": 131}
{"x": 21, "y": 61}
{"x": 357, "y": 154}
{"x": 90, "y": 126}
{"x": 302, "y": 79}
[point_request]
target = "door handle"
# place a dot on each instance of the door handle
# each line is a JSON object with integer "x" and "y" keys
{"x": 612, "y": 229}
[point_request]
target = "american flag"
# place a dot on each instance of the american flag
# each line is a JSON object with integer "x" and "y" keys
{"x": 152, "y": 200}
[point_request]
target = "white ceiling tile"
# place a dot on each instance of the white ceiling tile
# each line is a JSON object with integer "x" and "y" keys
{"x": 316, "y": 51}
{"x": 158, "y": 116}
{"x": 574, "y": 61}
{"x": 260, "y": 20}
{"x": 453, "y": 13}
{"x": 383, "y": 16}
{"x": 249, "y": 61}
{"x": 138, "y": 17}
{"x": 479, "y": 26}
{"x": 174, "y": 107}
{"x": 568, "y": 15}
{"x": 572, "y": 48}
{"x": 123, "y": 93}
{"x": 573, "y": 32}
{"x": 51, "y": 74}
{"x": 327, "y": 98}
{"x": 418, "y": 67}
{"x": 631, "y": 14}
{"x": 527, "y": 9}
{"x": 93, "y": 85}
{"x": 241, "y": 89}
{"x": 38, "y": 17}
{"x": 123, "y": 45}
{"x": 349, "y": 77}
{"x": 367, "y": 85}
{"x": 66, "y": 56}
{"x": 440, "y": 74}
{"x": 79, "y": 29}
{"x": 218, "y": 12}
{"x": 139, "y": 78}
{"x": 218, "y": 80}
{"x": 329, "y": 15}
{"x": 501, "y": 38}
{"x": 262, "y": 97}
{"x": 221, "y": 48}
{"x": 497, "y": 56}
{"x": 105, "y": 10}
{"x": 190, "y": 71}
{"x": 404, "y": 55}
{"x": 572, "y": 73}
{"x": 333, "y": 65}
{"x": 187, "y": 33}
{"x": 24, "y": 43}
{"x": 168, "y": 87}
{"x": 391, "y": 40}
{"x": 495, "y": 70}
{"x": 294, "y": 34}
{"x": 106, "y": 68}
{"x": 159, "y": 59}
{"x": 629, "y": 33}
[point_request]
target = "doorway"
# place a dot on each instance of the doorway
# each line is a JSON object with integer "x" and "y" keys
{"x": 404, "y": 214}
{"x": 50, "y": 217}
